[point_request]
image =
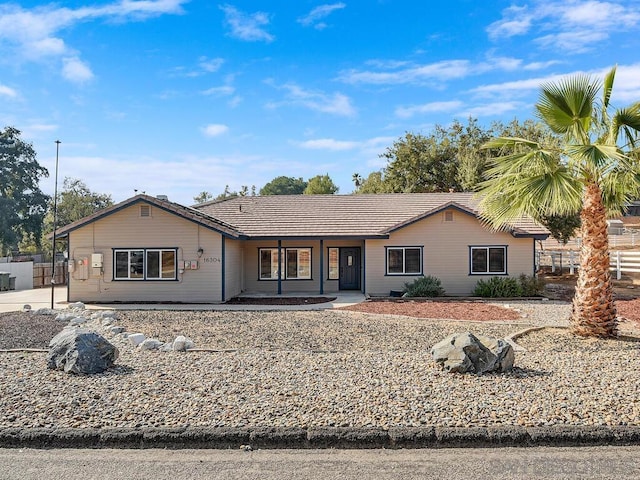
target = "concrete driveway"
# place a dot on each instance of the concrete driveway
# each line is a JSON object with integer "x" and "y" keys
{"x": 13, "y": 301}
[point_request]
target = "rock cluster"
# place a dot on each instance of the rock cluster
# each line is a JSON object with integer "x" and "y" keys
{"x": 79, "y": 348}
{"x": 76, "y": 350}
{"x": 469, "y": 353}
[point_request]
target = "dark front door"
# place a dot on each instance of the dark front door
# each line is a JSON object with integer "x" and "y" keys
{"x": 349, "y": 268}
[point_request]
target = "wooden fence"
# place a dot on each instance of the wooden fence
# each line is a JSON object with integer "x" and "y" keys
{"x": 42, "y": 274}
{"x": 622, "y": 261}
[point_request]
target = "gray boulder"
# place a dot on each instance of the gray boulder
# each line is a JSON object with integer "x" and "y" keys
{"x": 469, "y": 353}
{"x": 76, "y": 350}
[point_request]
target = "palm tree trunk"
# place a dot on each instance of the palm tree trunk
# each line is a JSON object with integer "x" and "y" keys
{"x": 594, "y": 312}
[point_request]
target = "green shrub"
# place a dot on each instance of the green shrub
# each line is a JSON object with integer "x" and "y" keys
{"x": 428, "y": 286}
{"x": 532, "y": 285}
{"x": 498, "y": 287}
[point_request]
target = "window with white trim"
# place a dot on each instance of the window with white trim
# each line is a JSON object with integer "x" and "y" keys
{"x": 334, "y": 263}
{"x": 488, "y": 260}
{"x": 404, "y": 260}
{"x": 296, "y": 263}
{"x": 144, "y": 264}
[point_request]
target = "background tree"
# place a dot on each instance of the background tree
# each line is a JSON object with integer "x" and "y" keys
{"x": 419, "y": 164}
{"x": 284, "y": 186}
{"x": 22, "y": 203}
{"x": 319, "y": 185}
{"x": 203, "y": 197}
{"x": 471, "y": 159}
{"x": 562, "y": 227}
{"x": 374, "y": 183}
{"x": 594, "y": 171}
{"x": 76, "y": 201}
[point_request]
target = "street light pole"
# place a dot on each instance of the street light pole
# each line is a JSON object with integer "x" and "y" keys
{"x": 55, "y": 226}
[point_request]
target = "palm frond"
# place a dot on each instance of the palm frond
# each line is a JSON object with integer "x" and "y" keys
{"x": 567, "y": 106}
{"x": 509, "y": 142}
{"x": 510, "y": 193}
{"x": 627, "y": 122}
{"x": 620, "y": 187}
{"x": 607, "y": 88}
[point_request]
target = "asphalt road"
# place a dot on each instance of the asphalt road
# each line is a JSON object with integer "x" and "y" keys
{"x": 507, "y": 463}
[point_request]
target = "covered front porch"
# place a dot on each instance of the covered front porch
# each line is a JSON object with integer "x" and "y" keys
{"x": 303, "y": 266}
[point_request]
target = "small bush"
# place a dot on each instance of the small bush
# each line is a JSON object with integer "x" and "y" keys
{"x": 498, "y": 287}
{"x": 532, "y": 286}
{"x": 424, "y": 287}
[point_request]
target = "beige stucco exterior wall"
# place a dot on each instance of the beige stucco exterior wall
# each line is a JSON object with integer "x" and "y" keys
{"x": 234, "y": 268}
{"x": 127, "y": 229}
{"x": 251, "y": 264}
{"x": 446, "y": 253}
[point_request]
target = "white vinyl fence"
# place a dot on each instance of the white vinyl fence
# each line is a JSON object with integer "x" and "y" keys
{"x": 622, "y": 261}
{"x": 23, "y": 271}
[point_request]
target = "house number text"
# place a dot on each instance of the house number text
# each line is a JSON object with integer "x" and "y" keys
{"x": 211, "y": 260}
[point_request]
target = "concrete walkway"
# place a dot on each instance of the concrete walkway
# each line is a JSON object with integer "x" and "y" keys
{"x": 13, "y": 301}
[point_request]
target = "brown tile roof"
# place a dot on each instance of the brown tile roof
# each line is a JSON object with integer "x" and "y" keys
{"x": 282, "y": 216}
{"x": 187, "y": 213}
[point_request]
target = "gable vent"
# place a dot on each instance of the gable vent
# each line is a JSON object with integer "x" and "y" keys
{"x": 145, "y": 210}
{"x": 448, "y": 216}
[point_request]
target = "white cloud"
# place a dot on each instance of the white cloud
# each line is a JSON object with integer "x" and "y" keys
{"x": 222, "y": 91}
{"x": 320, "y": 12}
{"x": 491, "y": 109}
{"x": 432, "y": 107}
{"x": 35, "y": 34}
{"x": 205, "y": 66}
{"x": 403, "y": 73}
{"x": 445, "y": 70}
{"x": 515, "y": 21}
{"x": 328, "y": 144}
{"x": 248, "y": 27}
{"x": 8, "y": 91}
{"x": 374, "y": 144}
{"x": 210, "y": 65}
{"x": 75, "y": 70}
{"x": 626, "y": 87}
{"x": 627, "y": 84}
{"x": 541, "y": 65}
{"x": 215, "y": 130}
{"x": 576, "y": 25}
{"x": 334, "y": 103}
{"x": 510, "y": 88}
{"x": 120, "y": 176}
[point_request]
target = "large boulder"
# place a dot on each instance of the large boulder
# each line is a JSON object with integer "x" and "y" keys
{"x": 469, "y": 353}
{"x": 75, "y": 350}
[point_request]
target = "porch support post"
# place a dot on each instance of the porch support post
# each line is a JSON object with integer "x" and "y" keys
{"x": 321, "y": 267}
{"x": 279, "y": 267}
{"x": 223, "y": 259}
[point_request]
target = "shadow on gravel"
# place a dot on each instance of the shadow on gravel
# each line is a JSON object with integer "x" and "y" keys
{"x": 118, "y": 370}
{"x": 517, "y": 372}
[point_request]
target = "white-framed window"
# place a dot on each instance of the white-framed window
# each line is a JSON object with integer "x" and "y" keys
{"x": 404, "y": 260}
{"x": 296, "y": 263}
{"x": 334, "y": 263}
{"x": 489, "y": 260}
{"x": 145, "y": 264}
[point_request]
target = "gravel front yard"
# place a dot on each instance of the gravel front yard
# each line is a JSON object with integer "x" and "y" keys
{"x": 327, "y": 368}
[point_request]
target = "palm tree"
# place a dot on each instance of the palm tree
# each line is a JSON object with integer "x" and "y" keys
{"x": 593, "y": 170}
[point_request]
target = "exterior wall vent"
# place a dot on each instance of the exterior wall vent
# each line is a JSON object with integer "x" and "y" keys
{"x": 448, "y": 216}
{"x": 145, "y": 210}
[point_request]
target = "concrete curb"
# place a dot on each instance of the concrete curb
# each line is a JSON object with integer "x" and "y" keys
{"x": 318, "y": 437}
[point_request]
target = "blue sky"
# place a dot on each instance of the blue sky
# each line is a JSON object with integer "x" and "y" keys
{"x": 175, "y": 97}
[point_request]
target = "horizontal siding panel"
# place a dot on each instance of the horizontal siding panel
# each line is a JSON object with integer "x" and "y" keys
{"x": 127, "y": 229}
{"x": 446, "y": 253}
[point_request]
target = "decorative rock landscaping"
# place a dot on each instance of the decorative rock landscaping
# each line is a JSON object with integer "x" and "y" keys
{"x": 324, "y": 369}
